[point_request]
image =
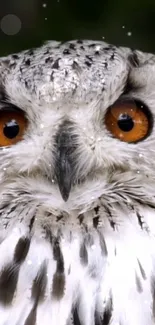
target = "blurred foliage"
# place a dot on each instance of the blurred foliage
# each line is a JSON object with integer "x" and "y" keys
{"x": 86, "y": 19}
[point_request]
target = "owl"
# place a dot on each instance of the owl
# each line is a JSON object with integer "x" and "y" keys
{"x": 77, "y": 185}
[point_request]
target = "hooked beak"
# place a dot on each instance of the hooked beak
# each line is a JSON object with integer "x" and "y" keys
{"x": 64, "y": 163}
{"x": 63, "y": 174}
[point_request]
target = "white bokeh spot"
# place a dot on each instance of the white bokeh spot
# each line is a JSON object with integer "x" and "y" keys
{"x": 10, "y": 24}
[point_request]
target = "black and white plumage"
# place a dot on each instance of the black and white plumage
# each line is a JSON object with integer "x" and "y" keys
{"x": 77, "y": 204}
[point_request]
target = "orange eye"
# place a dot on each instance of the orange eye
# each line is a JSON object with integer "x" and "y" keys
{"x": 128, "y": 120}
{"x": 12, "y": 126}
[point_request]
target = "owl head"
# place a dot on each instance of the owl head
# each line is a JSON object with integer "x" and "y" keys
{"x": 77, "y": 122}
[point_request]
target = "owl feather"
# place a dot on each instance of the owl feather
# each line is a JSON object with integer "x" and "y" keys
{"x": 77, "y": 201}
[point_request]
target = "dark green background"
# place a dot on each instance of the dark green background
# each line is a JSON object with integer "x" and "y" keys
{"x": 71, "y": 19}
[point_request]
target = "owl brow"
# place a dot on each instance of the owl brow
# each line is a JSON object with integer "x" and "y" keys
{"x": 130, "y": 86}
{"x": 133, "y": 59}
{"x": 133, "y": 63}
{"x": 6, "y": 106}
{"x": 3, "y": 95}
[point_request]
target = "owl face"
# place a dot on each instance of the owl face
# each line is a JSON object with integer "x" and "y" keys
{"x": 77, "y": 119}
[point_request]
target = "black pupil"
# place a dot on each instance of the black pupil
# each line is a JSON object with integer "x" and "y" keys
{"x": 125, "y": 122}
{"x": 11, "y": 129}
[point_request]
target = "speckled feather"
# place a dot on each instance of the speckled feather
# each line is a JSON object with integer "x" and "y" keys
{"x": 89, "y": 260}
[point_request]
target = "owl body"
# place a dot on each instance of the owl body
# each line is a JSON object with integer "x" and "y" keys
{"x": 77, "y": 200}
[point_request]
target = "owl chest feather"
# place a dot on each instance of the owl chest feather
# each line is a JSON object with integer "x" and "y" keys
{"x": 94, "y": 267}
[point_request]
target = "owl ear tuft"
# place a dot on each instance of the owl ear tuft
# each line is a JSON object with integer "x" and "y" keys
{"x": 4, "y": 64}
{"x": 138, "y": 59}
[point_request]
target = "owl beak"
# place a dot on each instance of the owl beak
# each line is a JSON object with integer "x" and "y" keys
{"x": 63, "y": 175}
{"x": 64, "y": 161}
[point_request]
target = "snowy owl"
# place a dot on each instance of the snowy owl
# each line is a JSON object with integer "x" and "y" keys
{"x": 77, "y": 185}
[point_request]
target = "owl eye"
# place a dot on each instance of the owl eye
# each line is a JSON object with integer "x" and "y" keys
{"x": 128, "y": 120}
{"x": 12, "y": 126}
